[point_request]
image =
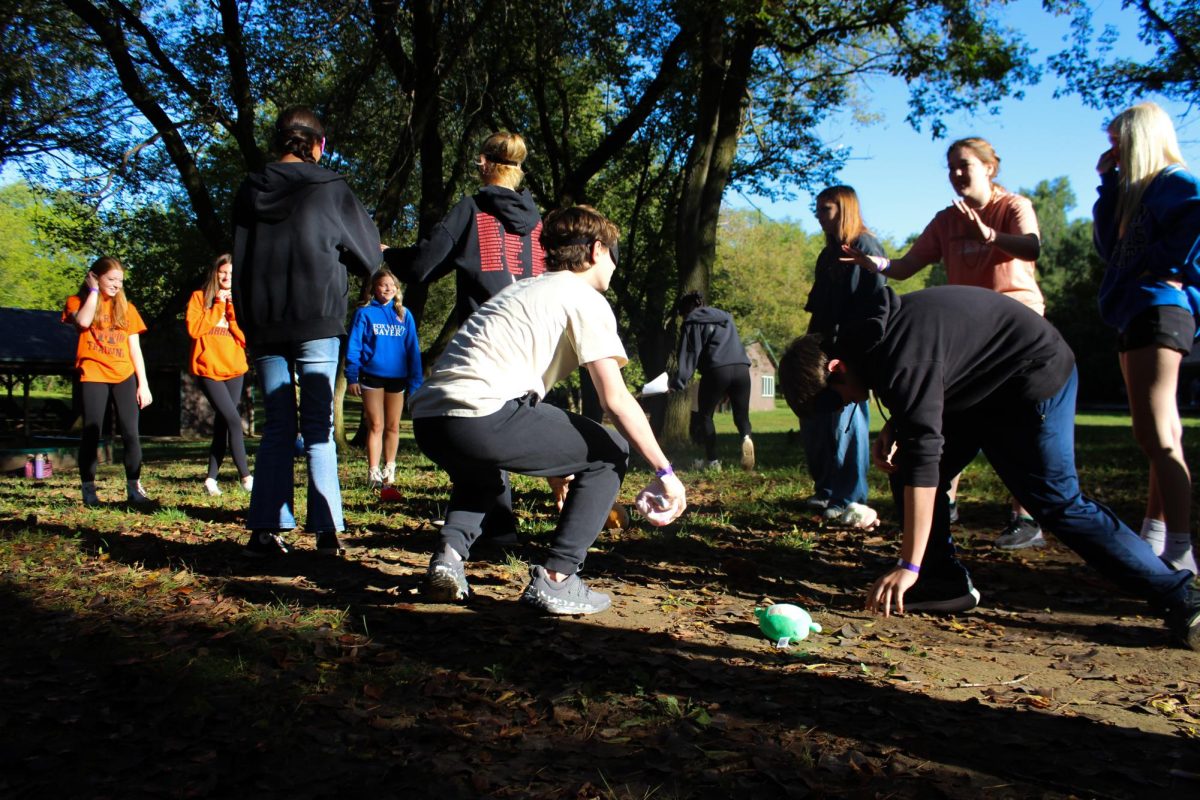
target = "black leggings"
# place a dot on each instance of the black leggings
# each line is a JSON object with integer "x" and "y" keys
{"x": 95, "y": 403}
{"x": 227, "y": 423}
{"x": 717, "y": 382}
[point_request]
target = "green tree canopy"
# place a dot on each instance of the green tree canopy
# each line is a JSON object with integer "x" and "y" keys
{"x": 1170, "y": 28}
{"x": 35, "y": 272}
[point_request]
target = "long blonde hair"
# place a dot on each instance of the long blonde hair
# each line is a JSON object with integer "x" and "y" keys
{"x": 1146, "y": 145}
{"x": 850, "y": 221}
{"x": 213, "y": 284}
{"x": 504, "y": 153}
{"x": 369, "y": 294}
{"x": 102, "y": 266}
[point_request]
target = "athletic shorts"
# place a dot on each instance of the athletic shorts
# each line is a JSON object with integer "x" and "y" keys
{"x": 390, "y": 385}
{"x": 1171, "y": 327}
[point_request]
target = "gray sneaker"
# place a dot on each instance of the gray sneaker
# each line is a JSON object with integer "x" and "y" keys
{"x": 1186, "y": 632}
{"x": 446, "y": 579}
{"x": 572, "y": 596}
{"x": 135, "y": 494}
{"x": 1021, "y": 532}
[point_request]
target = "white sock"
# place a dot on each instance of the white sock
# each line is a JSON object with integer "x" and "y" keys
{"x": 1154, "y": 532}
{"x": 1179, "y": 552}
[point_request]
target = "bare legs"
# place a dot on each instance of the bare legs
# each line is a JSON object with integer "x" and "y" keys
{"x": 1151, "y": 374}
{"x": 382, "y": 410}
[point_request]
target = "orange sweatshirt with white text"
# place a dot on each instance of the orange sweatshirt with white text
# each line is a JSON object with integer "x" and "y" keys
{"x": 103, "y": 352}
{"x": 219, "y": 346}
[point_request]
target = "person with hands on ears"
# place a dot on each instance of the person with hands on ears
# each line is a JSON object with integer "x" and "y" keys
{"x": 987, "y": 237}
{"x": 110, "y": 365}
{"x": 963, "y": 370}
{"x": 1147, "y": 228}
{"x": 480, "y": 414}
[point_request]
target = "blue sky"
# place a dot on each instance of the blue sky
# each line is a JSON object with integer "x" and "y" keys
{"x": 900, "y": 175}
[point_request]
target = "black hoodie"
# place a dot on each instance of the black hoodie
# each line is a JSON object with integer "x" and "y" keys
{"x": 490, "y": 238}
{"x": 948, "y": 350}
{"x": 297, "y": 228}
{"x": 708, "y": 339}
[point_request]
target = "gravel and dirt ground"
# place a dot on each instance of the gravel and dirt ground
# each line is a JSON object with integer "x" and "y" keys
{"x": 146, "y": 657}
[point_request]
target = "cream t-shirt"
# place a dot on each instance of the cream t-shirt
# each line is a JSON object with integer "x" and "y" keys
{"x": 523, "y": 340}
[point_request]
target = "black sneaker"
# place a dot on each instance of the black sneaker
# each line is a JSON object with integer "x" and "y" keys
{"x": 1021, "y": 532}
{"x": 942, "y": 597}
{"x": 572, "y": 596}
{"x": 265, "y": 543}
{"x": 446, "y": 579}
{"x": 1186, "y": 631}
{"x": 328, "y": 544}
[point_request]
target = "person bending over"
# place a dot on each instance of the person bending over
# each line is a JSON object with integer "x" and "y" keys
{"x": 708, "y": 341}
{"x": 963, "y": 369}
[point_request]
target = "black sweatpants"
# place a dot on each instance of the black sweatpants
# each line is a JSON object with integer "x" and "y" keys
{"x": 530, "y": 438}
{"x": 95, "y": 402}
{"x": 717, "y": 382}
{"x": 224, "y": 397}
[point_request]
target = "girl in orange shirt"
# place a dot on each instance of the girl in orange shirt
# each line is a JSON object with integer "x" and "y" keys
{"x": 219, "y": 364}
{"x": 110, "y": 364}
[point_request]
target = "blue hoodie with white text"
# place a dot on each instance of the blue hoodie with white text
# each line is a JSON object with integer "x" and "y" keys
{"x": 384, "y": 345}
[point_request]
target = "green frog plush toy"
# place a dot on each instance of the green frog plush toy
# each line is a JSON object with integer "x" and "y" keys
{"x": 784, "y": 623}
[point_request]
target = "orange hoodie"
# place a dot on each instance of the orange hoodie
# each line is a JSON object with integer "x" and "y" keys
{"x": 219, "y": 349}
{"x": 103, "y": 352}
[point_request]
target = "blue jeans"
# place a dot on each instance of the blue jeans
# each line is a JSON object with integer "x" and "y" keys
{"x": 1032, "y": 448}
{"x": 837, "y": 448}
{"x": 314, "y": 367}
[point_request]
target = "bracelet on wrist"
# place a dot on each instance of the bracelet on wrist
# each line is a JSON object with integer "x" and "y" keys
{"x": 664, "y": 471}
{"x": 93, "y": 290}
{"x": 908, "y": 565}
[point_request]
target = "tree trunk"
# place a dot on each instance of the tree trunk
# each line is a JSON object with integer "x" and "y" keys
{"x": 723, "y": 98}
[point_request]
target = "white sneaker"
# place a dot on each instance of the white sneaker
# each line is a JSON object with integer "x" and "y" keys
{"x": 389, "y": 473}
{"x": 747, "y": 454}
{"x": 248, "y": 483}
{"x": 135, "y": 494}
{"x": 855, "y": 516}
{"x": 210, "y": 486}
{"x": 89, "y": 495}
{"x": 375, "y": 478}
